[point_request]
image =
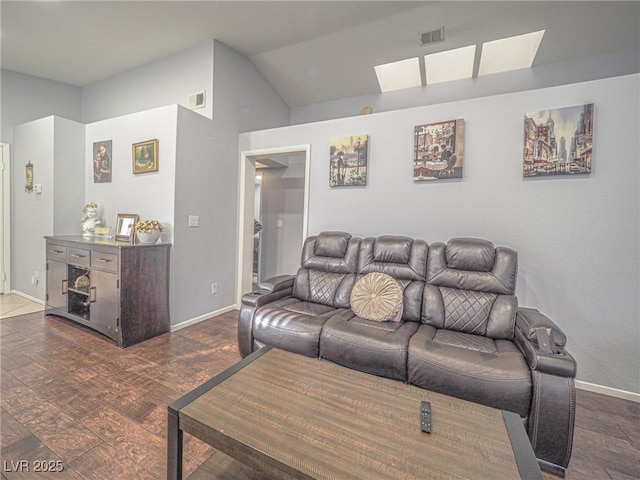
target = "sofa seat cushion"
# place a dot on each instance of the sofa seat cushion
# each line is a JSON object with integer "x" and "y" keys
{"x": 379, "y": 348}
{"x": 471, "y": 367}
{"x": 292, "y": 324}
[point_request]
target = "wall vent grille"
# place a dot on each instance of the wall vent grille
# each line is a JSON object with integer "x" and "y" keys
{"x": 435, "y": 36}
{"x": 197, "y": 100}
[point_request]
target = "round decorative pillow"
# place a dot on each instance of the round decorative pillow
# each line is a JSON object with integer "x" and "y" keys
{"x": 377, "y": 297}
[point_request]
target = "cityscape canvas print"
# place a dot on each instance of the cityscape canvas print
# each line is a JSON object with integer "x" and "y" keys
{"x": 348, "y": 161}
{"x": 559, "y": 141}
{"x": 438, "y": 150}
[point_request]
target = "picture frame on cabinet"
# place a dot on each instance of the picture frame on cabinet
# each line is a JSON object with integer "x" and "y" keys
{"x": 145, "y": 156}
{"x": 124, "y": 226}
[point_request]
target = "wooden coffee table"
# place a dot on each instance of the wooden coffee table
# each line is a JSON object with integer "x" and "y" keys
{"x": 290, "y": 416}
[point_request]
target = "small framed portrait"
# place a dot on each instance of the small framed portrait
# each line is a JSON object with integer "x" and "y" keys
{"x": 145, "y": 156}
{"x": 102, "y": 162}
{"x": 124, "y": 226}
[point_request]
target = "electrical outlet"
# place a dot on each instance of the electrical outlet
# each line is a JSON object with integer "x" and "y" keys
{"x": 214, "y": 288}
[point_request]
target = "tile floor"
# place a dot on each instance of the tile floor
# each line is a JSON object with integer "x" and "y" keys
{"x": 12, "y": 305}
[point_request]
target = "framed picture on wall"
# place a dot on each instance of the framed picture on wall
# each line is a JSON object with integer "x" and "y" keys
{"x": 438, "y": 150}
{"x": 102, "y": 162}
{"x": 558, "y": 141}
{"x": 348, "y": 161}
{"x": 145, "y": 156}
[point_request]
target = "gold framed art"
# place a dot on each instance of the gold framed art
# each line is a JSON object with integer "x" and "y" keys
{"x": 145, "y": 156}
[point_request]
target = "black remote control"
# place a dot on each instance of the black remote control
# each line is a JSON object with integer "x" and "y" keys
{"x": 425, "y": 417}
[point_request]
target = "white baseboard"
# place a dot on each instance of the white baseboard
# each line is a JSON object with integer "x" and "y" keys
{"x": 28, "y": 297}
{"x": 612, "y": 392}
{"x": 202, "y": 318}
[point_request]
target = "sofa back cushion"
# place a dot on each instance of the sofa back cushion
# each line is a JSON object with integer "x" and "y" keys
{"x": 403, "y": 258}
{"x": 471, "y": 288}
{"x": 328, "y": 269}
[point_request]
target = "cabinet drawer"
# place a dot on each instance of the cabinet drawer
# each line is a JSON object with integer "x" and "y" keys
{"x": 57, "y": 252}
{"x": 79, "y": 256}
{"x": 104, "y": 261}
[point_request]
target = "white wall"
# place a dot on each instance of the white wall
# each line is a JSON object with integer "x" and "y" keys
{"x": 161, "y": 82}
{"x": 54, "y": 146}
{"x": 26, "y": 98}
{"x": 150, "y": 195}
{"x": 577, "y": 237}
{"x": 69, "y": 172}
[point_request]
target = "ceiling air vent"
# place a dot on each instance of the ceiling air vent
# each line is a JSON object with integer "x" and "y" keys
{"x": 196, "y": 100}
{"x": 435, "y": 36}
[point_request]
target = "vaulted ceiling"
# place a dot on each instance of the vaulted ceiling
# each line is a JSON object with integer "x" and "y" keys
{"x": 310, "y": 52}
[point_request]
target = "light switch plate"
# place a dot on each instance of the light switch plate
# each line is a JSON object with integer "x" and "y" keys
{"x": 194, "y": 221}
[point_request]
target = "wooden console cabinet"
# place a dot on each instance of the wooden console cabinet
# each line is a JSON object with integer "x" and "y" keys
{"x": 116, "y": 288}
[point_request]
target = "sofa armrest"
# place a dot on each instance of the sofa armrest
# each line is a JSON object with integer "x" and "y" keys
{"x": 530, "y": 320}
{"x": 277, "y": 283}
{"x": 268, "y": 291}
{"x": 560, "y": 363}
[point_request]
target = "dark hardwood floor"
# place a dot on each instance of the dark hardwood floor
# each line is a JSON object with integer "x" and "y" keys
{"x": 72, "y": 400}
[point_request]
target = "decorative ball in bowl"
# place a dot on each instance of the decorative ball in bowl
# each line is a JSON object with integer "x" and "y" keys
{"x": 148, "y": 231}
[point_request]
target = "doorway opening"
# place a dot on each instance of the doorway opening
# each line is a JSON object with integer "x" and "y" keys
{"x": 273, "y": 213}
{"x": 5, "y": 221}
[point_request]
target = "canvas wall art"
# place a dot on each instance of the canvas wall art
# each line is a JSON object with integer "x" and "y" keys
{"x": 102, "y": 162}
{"x": 348, "y": 161}
{"x": 559, "y": 141}
{"x": 438, "y": 150}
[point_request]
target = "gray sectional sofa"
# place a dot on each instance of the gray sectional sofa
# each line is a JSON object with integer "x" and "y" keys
{"x": 461, "y": 333}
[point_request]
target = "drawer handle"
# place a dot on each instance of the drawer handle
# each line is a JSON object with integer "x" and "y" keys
{"x": 57, "y": 251}
{"x": 77, "y": 255}
{"x": 104, "y": 260}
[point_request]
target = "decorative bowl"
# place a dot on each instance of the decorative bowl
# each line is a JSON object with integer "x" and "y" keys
{"x": 147, "y": 238}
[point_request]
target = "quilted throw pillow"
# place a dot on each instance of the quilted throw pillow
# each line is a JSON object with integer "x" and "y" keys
{"x": 377, "y": 297}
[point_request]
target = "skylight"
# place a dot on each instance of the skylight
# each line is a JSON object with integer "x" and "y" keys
{"x": 509, "y": 53}
{"x": 399, "y": 75}
{"x": 450, "y": 64}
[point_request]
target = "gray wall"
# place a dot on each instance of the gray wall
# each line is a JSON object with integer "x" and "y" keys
{"x": 198, "y": 159}
{"x": 563, "y": 73}
{"x": 26, "y": 98}
{"x": 577, "y": 237}
{"x": 55, "y": 148}
{"x": 162, "y": 82}
{"x": 207, "y": 184}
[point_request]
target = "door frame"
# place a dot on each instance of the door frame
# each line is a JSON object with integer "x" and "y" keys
{"x": 5, "y": 222}
{"x": 245, "y": 209}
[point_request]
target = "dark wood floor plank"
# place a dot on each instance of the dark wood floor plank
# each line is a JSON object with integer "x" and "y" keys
{"x": 107, "y": 462}
{"x": 129, "y": 438}
{"x": 70, "y": 394}
{"x": 11, "y": 430}
{"x": 28, "y": 457}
